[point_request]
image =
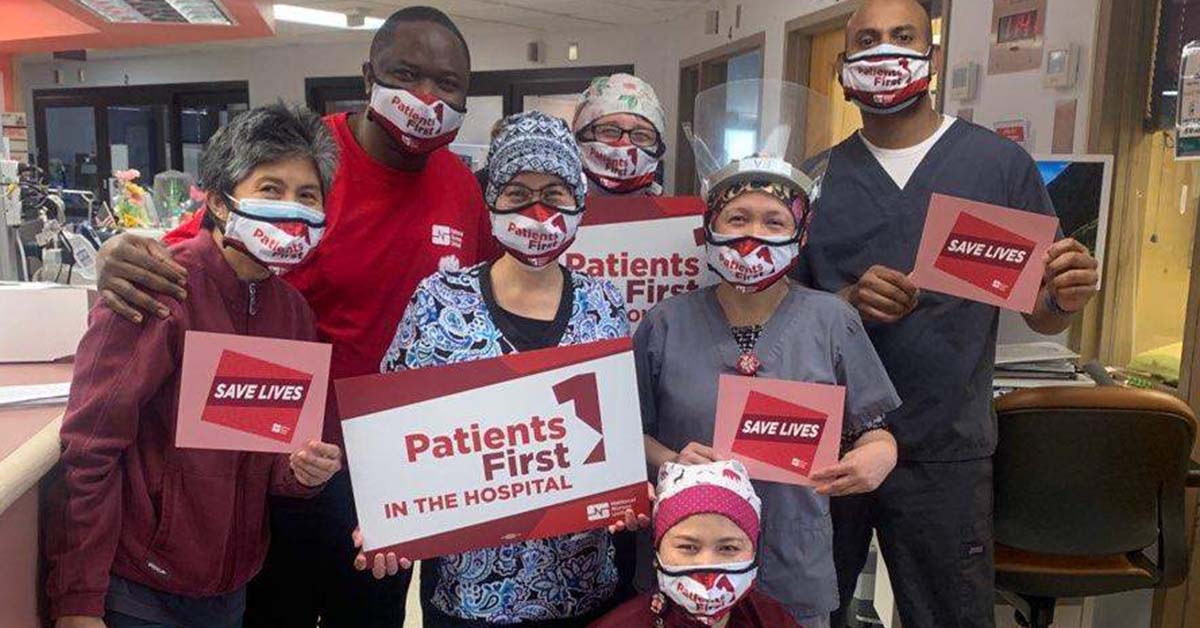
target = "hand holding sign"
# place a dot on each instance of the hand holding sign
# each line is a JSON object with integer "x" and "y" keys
{"x": 696, "y": 453}
{"x": 316, "y": 463}
{"x": 882, "y": 295}
{"x": 383, "y": 566}
{"x": 862, "y": 469}
{"x": 1073, "y": 274}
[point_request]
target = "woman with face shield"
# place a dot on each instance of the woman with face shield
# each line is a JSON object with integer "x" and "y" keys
{"x": 761, "y": 153}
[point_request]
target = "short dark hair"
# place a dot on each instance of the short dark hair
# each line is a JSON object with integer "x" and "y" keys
{"x": 408, "y": 15}
{"x": 260, "y": 136}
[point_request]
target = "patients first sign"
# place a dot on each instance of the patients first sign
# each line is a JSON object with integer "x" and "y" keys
{"x": 485, "y": 453}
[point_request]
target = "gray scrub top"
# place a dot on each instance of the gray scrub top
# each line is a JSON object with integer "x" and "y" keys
{"x": 682, "y": 348}
{"x": 940, "y": 356}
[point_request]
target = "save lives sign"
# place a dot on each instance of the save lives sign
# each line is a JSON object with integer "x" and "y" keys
{"x": 251, "y": 394}
{"x": 782, "y": 431}
{"x": 651, "y": 248}
{"x": 480, "y": 454}
{"x": 984, "y": 252}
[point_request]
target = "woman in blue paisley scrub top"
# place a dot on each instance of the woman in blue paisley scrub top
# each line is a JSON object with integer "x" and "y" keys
{"x": 524, "y": 301}
{"x": 757, "y": 323}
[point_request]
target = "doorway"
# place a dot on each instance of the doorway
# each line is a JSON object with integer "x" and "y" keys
{"x": 83, "y": 135}
{"x": 737, "y": 61}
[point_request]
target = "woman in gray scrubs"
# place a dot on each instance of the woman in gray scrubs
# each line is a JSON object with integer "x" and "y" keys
{"x": 758, "y": 323}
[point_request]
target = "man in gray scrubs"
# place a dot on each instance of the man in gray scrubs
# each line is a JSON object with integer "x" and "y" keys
{"x": 933, "y": 514}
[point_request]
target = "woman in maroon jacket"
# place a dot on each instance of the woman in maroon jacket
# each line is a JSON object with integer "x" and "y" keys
{"x": 145, "y": 533}
{"x": 706, "y": 525}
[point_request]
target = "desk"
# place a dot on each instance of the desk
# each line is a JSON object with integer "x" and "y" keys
{"x": 29, "y": 447}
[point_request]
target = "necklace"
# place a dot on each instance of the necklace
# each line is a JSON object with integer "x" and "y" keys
{"x": 746, "y": 338}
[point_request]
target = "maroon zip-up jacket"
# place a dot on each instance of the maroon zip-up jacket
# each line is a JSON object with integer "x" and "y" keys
{"x": 187, "y": 521}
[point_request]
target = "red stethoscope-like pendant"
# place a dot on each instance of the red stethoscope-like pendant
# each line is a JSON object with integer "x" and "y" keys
{"x": 748, "y": 364}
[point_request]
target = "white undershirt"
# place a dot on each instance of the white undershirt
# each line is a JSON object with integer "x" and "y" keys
{"x": 901, "y": 162}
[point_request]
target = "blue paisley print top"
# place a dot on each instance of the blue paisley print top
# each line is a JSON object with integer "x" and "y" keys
{"x": 447, "y": 322}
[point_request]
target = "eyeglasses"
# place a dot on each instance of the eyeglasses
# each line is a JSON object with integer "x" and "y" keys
{"x": 515, "y": 196}
{"x": 611, "y": 134}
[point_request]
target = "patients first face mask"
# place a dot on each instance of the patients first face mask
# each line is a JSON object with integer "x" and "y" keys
{"x": 536, "y": 235}
{"x": 618, "y": 169}
{"x": 707, "y": 593}
{"x": 277, "y": 234}
{"x": 421, "y": 123}
{"x": 749, "y": 263}
{"x": 885, "y": 79}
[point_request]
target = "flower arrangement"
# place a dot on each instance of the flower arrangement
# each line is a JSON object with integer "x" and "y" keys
{"x": 131, "y": 203}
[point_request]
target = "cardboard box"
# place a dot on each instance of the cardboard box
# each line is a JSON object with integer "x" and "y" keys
{"x": 13, "y": 118}
{"x": 16, "y": 133}
{"x": 41, "y": 322}
{"x": 18, "y": 146}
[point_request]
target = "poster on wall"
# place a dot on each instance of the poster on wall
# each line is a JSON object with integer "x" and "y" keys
{"x": 1017, "y": 33}
{"x": 1187, "y": 110}
{"x": 651, "y": 248}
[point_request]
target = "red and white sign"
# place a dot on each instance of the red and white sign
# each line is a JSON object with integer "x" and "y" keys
{"x": 526, "y": 446}
{"x": 651, "y": 248}
{"x": 782, "y": 431}
{"x": 984, "y": 252}
{"x": 251, "y": 394}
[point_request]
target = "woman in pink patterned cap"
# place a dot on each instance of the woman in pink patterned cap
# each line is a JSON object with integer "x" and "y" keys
{"x": 706, "y": 525}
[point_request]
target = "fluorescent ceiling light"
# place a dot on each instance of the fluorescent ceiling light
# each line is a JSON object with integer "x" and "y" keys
{"x": 317, "y": 17}
{"x": 200, "y": 11}
{"x": 114, "y": 11}
{"x": 159, "y": 11}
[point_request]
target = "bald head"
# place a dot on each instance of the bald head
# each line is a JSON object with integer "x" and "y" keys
{"x": 902, "y": 23}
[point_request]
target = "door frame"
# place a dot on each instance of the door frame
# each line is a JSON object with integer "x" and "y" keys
{"x": 686, "y": 181}
{"x": 174, "y": 96}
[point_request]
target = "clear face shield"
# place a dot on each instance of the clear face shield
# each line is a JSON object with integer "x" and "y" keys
{"x": 761, "y": 130}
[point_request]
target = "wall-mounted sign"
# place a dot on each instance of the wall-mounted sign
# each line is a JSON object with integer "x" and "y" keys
{"x": 1187, "y": 111}
{"x": 1016, "y": 130}
{"x": 1017, "y": 33}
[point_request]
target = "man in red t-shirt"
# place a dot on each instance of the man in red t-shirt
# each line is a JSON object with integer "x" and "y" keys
{"x": 402, "y": 206}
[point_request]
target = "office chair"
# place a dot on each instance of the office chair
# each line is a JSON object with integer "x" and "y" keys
{"x": 1089, "y": 487}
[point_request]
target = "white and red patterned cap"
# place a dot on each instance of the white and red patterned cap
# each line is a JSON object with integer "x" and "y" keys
{"x": 721, "y": 488}
{"x": 619, "y": 93}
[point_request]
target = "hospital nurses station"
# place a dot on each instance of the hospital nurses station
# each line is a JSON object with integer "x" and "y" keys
{"x": 555, "y": 313}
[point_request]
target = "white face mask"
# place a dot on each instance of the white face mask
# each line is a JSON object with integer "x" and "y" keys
{"x": 751, "y": 264}
{"x": 422, "y": 124}
{"x": 885, "y": 79}
{"x": 277, "y": 234}
{"x": 618, "y": 169}
{"x": 708, "y": 593}
{"x": 536, "y": 235}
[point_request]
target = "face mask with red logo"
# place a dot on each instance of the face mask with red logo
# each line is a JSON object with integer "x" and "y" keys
{"x": 885, "y": 79}
{"x": 751, "y": 263}
{"x": 707, "y": 593}
{"x": 536, "y": 234}
{"x": 618, "y": 169}
{"x": 277, "y": 234}
{"x": 421, "y": 123}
